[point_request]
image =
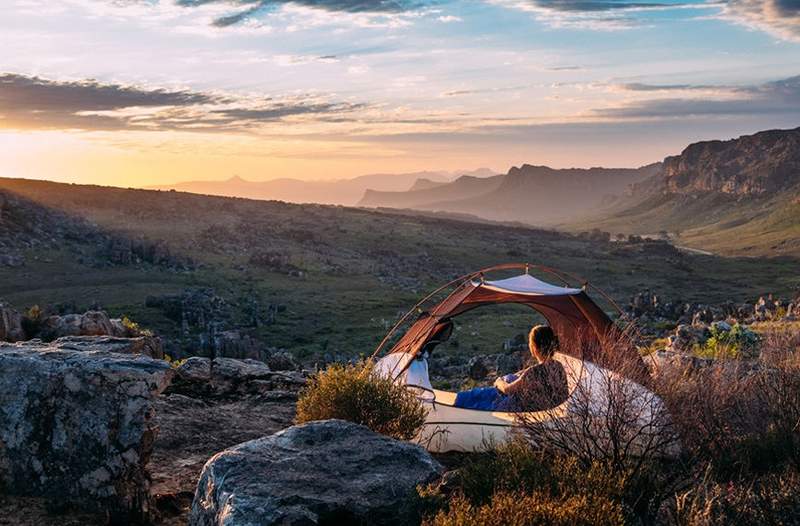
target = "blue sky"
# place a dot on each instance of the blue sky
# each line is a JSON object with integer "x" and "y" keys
{"x": 149, "y": 91}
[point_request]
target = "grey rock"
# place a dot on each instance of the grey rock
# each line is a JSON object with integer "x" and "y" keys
{"x": 324, "y": 472}
{"x": 10, "y": 324}
{"x": 76, "y": 426}
{"x": 283, "y": 361}
{"x": 476, "y": 368}
{"x": 91, "y": 323}
{"x": 228, "y": 377}
{"x": 146, "y": 345}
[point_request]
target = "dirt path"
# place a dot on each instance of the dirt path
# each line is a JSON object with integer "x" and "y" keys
{"x": 192, "y": 430}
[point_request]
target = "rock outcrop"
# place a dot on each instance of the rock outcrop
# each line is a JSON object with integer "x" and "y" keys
{"x": 765, "y": 162}
{"x": 325, "y": 472}
{"x": 90, "y": 323}
{"x": 146, "y": 345}
{"x": 76, "y": 426}
{"x": 10, "y": 324}
{"x": 223, "y": 377}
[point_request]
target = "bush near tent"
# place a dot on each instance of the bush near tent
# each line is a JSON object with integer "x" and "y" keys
{"x": 518, "y": 484}
{"x": 355, "y": 393}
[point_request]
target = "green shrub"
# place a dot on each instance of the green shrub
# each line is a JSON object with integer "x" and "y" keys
{"x": 174, "y": 362}
{"x": 738, "y": 342}
{"x": 133, "y": 328}
{"x": 539, "y": 508}
{"x": 356, "y": 393}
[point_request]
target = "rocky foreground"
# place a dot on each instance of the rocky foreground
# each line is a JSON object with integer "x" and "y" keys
{"x": 94, "y": 432}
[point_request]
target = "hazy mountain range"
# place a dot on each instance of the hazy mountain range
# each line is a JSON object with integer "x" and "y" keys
{"x": 738, "y": 196}
{"x": 531, "y": 194}
{"x": 338, "y": 191}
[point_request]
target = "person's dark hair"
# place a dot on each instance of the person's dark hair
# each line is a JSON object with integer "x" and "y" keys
{"x": 543, "y": 340}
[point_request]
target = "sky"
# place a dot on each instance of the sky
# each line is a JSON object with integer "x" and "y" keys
{"x": 148, "y": 92}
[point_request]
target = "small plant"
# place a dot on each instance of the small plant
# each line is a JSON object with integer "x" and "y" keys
{"x": 133, "y": 328}
{"x": 32, "y": 321}
{"x": 737, "y": 342}
{"x": 355, "y": 392}
{"x": 174, "y": 363}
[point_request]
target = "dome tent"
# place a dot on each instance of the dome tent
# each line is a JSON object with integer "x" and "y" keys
{"x": 568, "y": 310}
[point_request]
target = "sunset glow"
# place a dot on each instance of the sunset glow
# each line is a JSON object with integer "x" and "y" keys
{"x": 145, "y": 92}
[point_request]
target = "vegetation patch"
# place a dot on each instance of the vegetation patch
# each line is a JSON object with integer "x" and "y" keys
{"x": 355, "y": 392}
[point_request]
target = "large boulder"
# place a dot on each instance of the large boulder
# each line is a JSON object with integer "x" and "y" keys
{"x": 90, "y": 323}
{"x": 324, "y": 472}
{"x": 76, "y": 426}
{"x": 10, "y": 324}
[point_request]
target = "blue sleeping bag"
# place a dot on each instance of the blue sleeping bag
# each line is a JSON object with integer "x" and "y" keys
{"x": 483, "y": 398}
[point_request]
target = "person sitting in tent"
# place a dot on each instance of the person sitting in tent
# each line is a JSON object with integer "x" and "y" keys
{"x": 536, "y": 388}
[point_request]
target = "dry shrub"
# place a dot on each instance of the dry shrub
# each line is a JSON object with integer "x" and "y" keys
{"x": 614, "y": 422}
{"x": 520, "y": 509}
{"x": 772, "y": 499}
{"x": 740, "y": 417}
{"x": 712, "y": 410}
{"x": 354, "y": 392}
{"x": 776, "y": 390}
{"x": 517, "y": 484}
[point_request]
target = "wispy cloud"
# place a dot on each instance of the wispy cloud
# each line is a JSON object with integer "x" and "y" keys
{"x": 777, "y": 97}
{"x": 245, "y": 9}
{"x": 780, "y": 18}
{"x": 35, "y": 103}
{"x": 600, "y": 15}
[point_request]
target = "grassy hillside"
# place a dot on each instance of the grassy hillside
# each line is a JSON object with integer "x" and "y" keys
{"x": 340, "y": 275}
{"x": 764, "y": 226}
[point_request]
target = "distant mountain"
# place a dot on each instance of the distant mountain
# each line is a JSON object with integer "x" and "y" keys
{"x": 531, "y": 194}
{"x": 428, "y": 198}
{"x": 339, "y": 191}
{"x": 740, "y": 196}
{"x": 424, "y": 184}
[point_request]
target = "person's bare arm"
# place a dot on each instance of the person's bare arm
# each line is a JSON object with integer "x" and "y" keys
{"x": 509, "y": 388}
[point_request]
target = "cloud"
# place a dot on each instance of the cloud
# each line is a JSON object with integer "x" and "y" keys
{"x": 770, "y": 98}
{"x": 599, "y": 15}
{"x": 35, "y": 103}
{"x": 249, "y": 8}
{"x": 780, "y": 18}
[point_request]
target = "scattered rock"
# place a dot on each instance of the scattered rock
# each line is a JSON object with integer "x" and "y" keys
{"x": 202, "y": 377}
{"x": 283, "y": 361}
{"x": 76, "y": 426}
{"x": 325, "y": 472}
{"x": 476, "y": 368}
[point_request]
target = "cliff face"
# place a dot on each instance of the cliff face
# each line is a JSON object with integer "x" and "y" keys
{"x": 763, "y": 163}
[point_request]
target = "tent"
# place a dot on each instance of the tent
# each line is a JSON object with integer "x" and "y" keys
{"x": 568, "y": 310}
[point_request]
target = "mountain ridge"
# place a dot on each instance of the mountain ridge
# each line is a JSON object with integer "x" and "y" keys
{"x": 336, "y": 191}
